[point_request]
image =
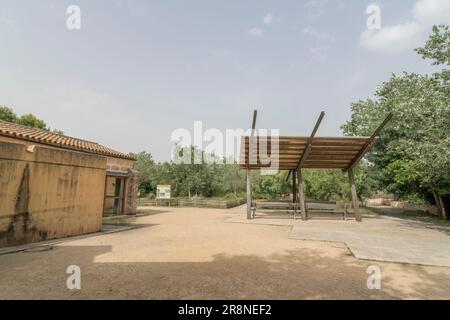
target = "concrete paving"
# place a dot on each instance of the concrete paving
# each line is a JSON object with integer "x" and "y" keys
{"x": 383, "y": 239}
{"x": 413, "y": 239}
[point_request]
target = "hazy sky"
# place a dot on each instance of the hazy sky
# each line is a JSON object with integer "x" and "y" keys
{"x": 137, "y": 70}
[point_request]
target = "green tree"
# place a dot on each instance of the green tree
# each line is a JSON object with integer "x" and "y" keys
{"x": 232, "y": 179}
{"x": 412, "y": 154}
{"x": 7, "y": 114}
{"x": 146, "y": 166}
{"x": 329, "y": 185}
{"x": 30, "y": 120}
{"x": 437, "y": 49}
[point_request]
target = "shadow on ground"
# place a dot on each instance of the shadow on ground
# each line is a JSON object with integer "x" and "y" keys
{"x": 295, "y": 274}
{"x": 144, "y": 211}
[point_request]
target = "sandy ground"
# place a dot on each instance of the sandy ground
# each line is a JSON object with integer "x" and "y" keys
{"x": 196, "y": 254}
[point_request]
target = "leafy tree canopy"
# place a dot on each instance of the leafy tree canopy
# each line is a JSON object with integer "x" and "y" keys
{"x": 29, "y": 120}
{"x": 412, "y": 154}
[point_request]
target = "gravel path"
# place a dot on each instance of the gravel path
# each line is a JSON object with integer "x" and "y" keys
{"x": 189, "y": 253}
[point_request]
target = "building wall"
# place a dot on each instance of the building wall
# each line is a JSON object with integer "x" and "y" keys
{"x": 125, "y": 166}
{"x": 131, "y": 192}
{"x": 118, "y": 164}
{"x": 48, "y": 193}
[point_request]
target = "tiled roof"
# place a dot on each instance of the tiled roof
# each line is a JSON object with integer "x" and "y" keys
{"x": 57, "y": 140}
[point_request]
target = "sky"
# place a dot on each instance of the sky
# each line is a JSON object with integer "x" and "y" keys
{"x": 137, "y": 70}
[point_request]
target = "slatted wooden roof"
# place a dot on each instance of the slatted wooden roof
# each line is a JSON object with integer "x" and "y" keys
{"x": 325, "y": 153}
{"x": 305, "y": 152}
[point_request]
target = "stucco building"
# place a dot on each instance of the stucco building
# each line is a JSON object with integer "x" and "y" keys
{"x": 54, "y": 186}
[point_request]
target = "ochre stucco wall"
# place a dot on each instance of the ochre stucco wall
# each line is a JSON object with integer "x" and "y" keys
{"x": 117, "y": 164}
{"x": 48, "y": 193}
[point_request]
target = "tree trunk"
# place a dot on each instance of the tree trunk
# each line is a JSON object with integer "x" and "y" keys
{"x": 438, "y": 204}
{"x": 443, "y": 212}
{"x": 358, "y": 215}
{"x": 361, "y": 200}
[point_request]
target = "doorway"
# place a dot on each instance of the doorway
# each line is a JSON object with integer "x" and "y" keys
{"x": 114, "y": 195}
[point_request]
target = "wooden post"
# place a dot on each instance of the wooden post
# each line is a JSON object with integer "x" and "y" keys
{"x": 308, "y": 147}
{"x": 251, "y": 144}
{"x": 369, "y": 142}
{"x": 249, "y": 194}
{"x": 301, "y": 194}
{"x": 294, "y": 187}
{"x": 351, "y": 179}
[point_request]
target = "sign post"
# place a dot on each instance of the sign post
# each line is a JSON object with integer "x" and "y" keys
{"x": 162, "y": 193}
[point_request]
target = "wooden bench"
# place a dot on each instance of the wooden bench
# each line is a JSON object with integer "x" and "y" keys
{"x": 311, "y": 208}
{"x": 329, "y": 208}
{"x": 290, "y": 206}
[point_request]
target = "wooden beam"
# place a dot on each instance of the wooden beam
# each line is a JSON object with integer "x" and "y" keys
{"x": 351, "y": 179}
{"x": 301, "y": 194}
{"x": 302, "y": 145}
{"x": 369, "y": 142}
{"x": 255, "y": 113}
{"x": 289, "y": 174}
{"x": 251, "y": 156}
{"x": 318, "y": 140}
{"x": 294, "y": 187}
{"x": 309, "y": 143}
{"x": 249, "y": 194}
{"x": 249, "y": 172}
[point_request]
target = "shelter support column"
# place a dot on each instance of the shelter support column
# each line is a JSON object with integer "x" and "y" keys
{"x": 358, "y": 216}
{"x": 301, "y": 194}
{"x": 294, "y": 187}
{"x": 249, "y": 194}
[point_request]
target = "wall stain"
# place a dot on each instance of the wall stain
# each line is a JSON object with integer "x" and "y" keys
{"x": 20, "y": 231}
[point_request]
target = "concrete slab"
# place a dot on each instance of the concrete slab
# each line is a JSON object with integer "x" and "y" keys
{"x": 383, "y": 239}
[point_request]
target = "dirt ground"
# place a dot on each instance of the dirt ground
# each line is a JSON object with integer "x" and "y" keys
{"x": 191, "y": 253}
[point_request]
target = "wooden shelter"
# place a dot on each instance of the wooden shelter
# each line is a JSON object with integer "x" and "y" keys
{"x": 297, "y": 153}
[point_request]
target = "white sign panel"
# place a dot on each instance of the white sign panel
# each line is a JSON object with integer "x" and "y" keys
{"x": 163, "y": 192}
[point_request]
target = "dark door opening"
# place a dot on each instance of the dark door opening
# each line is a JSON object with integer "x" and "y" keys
{"x": 114, "y": 195}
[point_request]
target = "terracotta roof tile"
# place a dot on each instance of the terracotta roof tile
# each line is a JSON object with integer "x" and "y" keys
{"x": 57, "y": 140}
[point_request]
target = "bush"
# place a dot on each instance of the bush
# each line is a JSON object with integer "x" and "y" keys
{"x": 230, "y": 196}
